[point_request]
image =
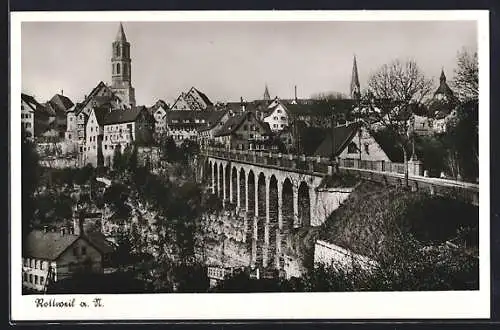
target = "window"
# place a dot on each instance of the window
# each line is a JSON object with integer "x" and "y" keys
{"x": 22, "y": 107}
{"x": 36, "y": 264}
{"x": 26, "y": 262}
{"x": 42, "y": 264}
{"x": 32, "y": 263}
{"x": 84, "y": 250}
{"x": 275, "y": 117}
{"x": 69, "y": 136}
{"x": 36, "y": 279}
{"x": 352, "y": 148}
{"x": 367, "y": 148}
{"x": 118, "y": 68}
{"x": 75, "y": 251}
{"x": 25, "y": 277}
{"x": 41, "y": 280}
{"x": 283, "y": 118}
{"x": 105, "y": 147}
{"x": 278, "y": 111}
{"x": 31, "y": 278}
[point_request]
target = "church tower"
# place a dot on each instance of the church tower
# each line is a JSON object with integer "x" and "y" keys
{"x": 355, "y": 89}
{"x": 121, "y": 69}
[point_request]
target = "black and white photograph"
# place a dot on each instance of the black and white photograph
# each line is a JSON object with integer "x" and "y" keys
{"x": 297, "y": 155}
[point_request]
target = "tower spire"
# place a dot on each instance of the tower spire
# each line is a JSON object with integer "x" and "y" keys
{"x": 442, "y": 78}
{"x": 267, "y": 97}
{"x": 355, "y": 89}
{"x": 120, "y": 36}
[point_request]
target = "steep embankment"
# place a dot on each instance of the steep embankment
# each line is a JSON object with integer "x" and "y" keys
{"x": 374, "y": 216}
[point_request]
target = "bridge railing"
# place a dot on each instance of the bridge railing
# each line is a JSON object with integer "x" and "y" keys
{"x": 301, "y": 162}
{"x": 382, "y": 171}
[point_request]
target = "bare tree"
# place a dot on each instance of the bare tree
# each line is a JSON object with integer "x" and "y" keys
{"x": 393, "y": 91}
{"x": 466, "y": 80}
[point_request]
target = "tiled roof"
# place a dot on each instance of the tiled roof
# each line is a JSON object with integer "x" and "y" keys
{"x": 48, "y": 245}
{"x": 232, "y": 124}
{"x": 123, "y": 116}
{"x": 99, "y": 240}
{"x": 30, "y": 100}
{"x": 91, "y": 96}
{"x": 61, "y": 102}
{"x": 203, "y": 96}
{"x": 101, "y": 113}
{"x": 321, "y": 108}
{"x": 342, "y": 136}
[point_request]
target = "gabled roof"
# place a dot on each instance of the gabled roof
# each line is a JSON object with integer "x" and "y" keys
{"x": 99, "y": 240}
{"x": 92, "y": 96}
{"x": 342, "y": 136}
{"x": 30, "y": 101}
{"x": 101, "y": 113}
{"x": 61, "y": 102}
{"x": 203, "y": 96}
{"x": 232, "y": 124}
{"x": 48, "y": 246}
{"x": 123, "y": 116}
{"x": 157, "y": 105}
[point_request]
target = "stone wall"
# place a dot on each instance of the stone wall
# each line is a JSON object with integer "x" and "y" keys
{"x": 340, "y": 258}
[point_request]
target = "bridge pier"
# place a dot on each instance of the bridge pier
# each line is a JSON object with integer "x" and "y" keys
{"x": 265, "y": 250}
{"x": 296, "y": 220}
{"x": 277, "y": 255}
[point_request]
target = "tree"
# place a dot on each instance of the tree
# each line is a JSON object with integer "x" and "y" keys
{"x": 394, "y": 90}
{"x": 168, "y": 149}
{"x": 30, "y": 177}
{"x": 461, "y": 141}
{"x": 117, "y": 158}
{"x": 466, "y": 80}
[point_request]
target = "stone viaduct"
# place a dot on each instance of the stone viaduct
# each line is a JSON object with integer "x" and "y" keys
{"x": 277, "y": 193}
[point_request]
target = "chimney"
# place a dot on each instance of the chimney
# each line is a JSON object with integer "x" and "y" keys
{"x": 62, "y": 92}
{"x": 295, "y": 93}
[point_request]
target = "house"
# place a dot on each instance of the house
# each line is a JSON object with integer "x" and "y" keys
{"x": 276, "y": 116}
{"x": 52, "y": 256}
{"x": 193, "y": 100}
{"x": 351, "y": 141}
{"x": 36, "y": 119}
{"x": 243, "y": 131}
{"x": 214, "y": 124}
{"x": 187, "y": 124}
{"x": 159, "y": 112}
{"x": 101, "y": 97}
{"x": 122, "y": 128}
{"x": 60, "y": 104}
{"x": 28, "y": 108}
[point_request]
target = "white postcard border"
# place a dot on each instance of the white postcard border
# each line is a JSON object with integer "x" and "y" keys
{"x": 401, "y": 305}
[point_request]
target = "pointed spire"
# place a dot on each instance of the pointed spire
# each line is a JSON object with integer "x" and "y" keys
{"x": 442, "y": 78}
{"x": 267, "y": 97}
{"x": 355, "y": 89}
{"x": 120, "y": 36}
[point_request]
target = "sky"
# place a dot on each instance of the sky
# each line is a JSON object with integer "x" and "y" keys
{"x": 229, "y": 60}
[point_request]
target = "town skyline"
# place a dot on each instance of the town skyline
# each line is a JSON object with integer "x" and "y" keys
{"x": 166, "y": 56}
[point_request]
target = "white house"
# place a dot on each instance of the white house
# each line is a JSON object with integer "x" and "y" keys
{"x": 54, "y": 256}
{"x": 276, "y": 116}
